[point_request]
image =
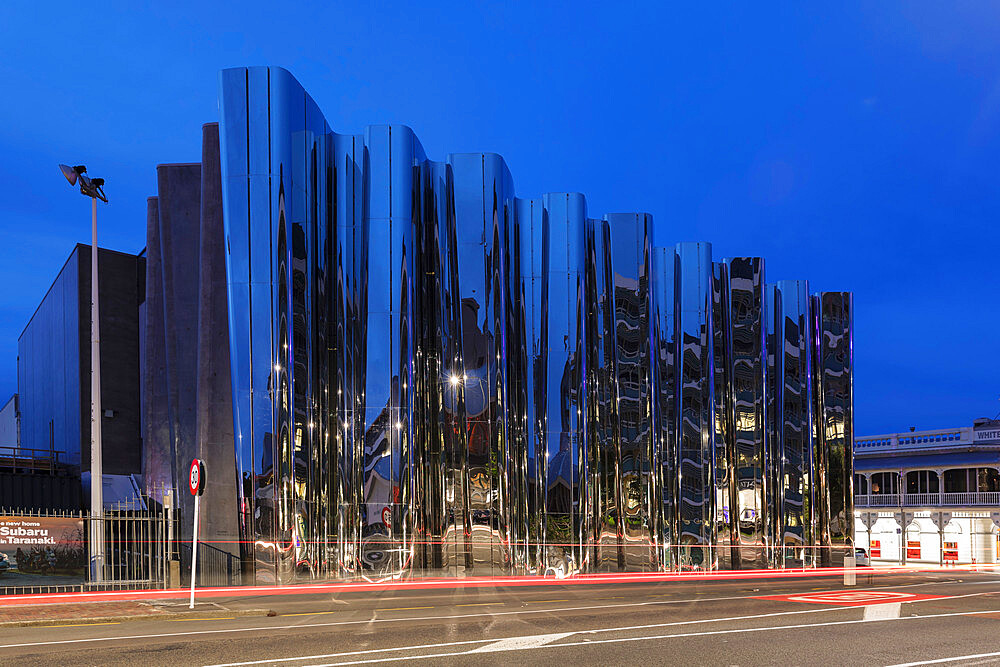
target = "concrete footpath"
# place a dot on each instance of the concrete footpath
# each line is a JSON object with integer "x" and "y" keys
{"x": 93, "y": 613}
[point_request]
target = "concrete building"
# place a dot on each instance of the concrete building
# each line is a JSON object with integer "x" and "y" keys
{"x": 930, "y": 496}
{"x": 187, "y": 408}
{"x": 53, "y": 383}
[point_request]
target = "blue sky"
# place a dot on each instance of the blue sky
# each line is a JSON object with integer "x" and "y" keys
{"x": 857, "y": 147}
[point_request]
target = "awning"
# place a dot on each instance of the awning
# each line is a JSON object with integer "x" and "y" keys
{"x": 951, "y": 460}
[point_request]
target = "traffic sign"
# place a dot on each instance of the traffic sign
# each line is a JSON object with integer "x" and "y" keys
{"x": 196, "y": 484}
{"x": 387, "y": 516}
{"x": 196, "y": 477}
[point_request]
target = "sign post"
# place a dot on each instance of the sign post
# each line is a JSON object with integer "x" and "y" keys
{"x": 196, "y": 483}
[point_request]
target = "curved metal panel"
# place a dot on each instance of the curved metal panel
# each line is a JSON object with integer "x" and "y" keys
{"x": 694, "y": 396}
{"x": 747, "y": 326}
{"x": 792, "y": 422}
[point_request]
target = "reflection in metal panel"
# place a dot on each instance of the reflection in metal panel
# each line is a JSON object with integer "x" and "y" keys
{"x": 665, "y": 408}
{"x": 834, "y": 366}
{"x": 630, "y": 235}
{"x": 695, "y": 397}
{"x": 432, "y": 375}
{"x": 604, "y": 462}
{"x": 792, "y": 421}
{"x": 747, "y": 330}
{"x": 724, "y": 445}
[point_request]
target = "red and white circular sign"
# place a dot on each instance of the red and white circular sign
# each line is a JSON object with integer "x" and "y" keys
{"x": 386, "y": 516}
{"x": 196, "y": 477}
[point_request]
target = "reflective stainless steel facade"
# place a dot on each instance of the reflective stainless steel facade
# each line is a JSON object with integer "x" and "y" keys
{"x": 433, "y": 375}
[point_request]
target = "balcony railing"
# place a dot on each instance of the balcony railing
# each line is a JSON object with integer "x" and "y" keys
{"x": 24, "y": 459}
{"x": 969, "y": 499}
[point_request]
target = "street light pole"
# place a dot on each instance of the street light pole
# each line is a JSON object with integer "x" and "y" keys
{"x": 93, "y": 188}
{"x": 96, "y": 449}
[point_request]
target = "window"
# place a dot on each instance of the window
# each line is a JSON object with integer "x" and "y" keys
{"x": 957, "y": 480}
{"x": 885, "y": 482}
{"x": 921, "y": 481}
{"x": 860, "y": 485}
{"x": 989, "y": 479}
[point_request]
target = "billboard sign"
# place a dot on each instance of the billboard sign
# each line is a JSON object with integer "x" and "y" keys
{"x": 39, "y": 546}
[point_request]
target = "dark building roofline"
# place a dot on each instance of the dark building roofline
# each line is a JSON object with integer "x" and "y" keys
{"x": 76, "y": 247}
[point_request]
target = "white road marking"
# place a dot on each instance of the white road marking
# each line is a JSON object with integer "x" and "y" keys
{"x": 957, "y": 658}
{"x": 655, "y": 637}
{"x": 882, "y": 612}
{"x": 520, "y": 643}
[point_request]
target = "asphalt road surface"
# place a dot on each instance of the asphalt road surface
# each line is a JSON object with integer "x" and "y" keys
{"x": 892, "y": 620}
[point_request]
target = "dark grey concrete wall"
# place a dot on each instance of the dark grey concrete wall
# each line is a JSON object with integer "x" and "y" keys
{"x": 121, "y": 287}
{"x": 157, "y": 461}
{"x": 214, "y": 390}
{"x": 179, "y": 204}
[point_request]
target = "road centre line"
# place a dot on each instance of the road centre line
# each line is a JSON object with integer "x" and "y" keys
{"x": 527, "y": 646}
{"x": 79, "y": 625}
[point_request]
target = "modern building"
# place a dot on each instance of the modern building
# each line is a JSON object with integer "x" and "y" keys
{"x": 10, "y": 424}
{"x": 429, "y": 373}
{"x": 54, "y": 383}
{"x": 930, "y": 496}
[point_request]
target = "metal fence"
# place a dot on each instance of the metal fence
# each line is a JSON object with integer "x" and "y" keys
{"x": 136, "y": 548}
{"x": 137, "y": 537}
{"x": 215, "y": 566}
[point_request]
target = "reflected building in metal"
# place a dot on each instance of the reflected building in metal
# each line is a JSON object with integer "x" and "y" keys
{"x": 433, "y": 375}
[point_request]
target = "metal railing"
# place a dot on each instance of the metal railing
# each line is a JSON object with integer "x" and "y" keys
{"x": 971, "y": 499}
{"x": 975, "y": 498}
{"x": 215, "y": 566}
{"x": 27, "y": 460}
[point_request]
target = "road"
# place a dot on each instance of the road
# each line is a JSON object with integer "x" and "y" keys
{"x": 895, "y": 619}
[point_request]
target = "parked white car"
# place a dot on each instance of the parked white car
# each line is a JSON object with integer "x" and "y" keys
{"x": 861, "y": 557}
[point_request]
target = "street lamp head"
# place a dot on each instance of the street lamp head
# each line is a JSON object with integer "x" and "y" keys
{"x": 72, "y": 172}
{"x": 89, "y": 187}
